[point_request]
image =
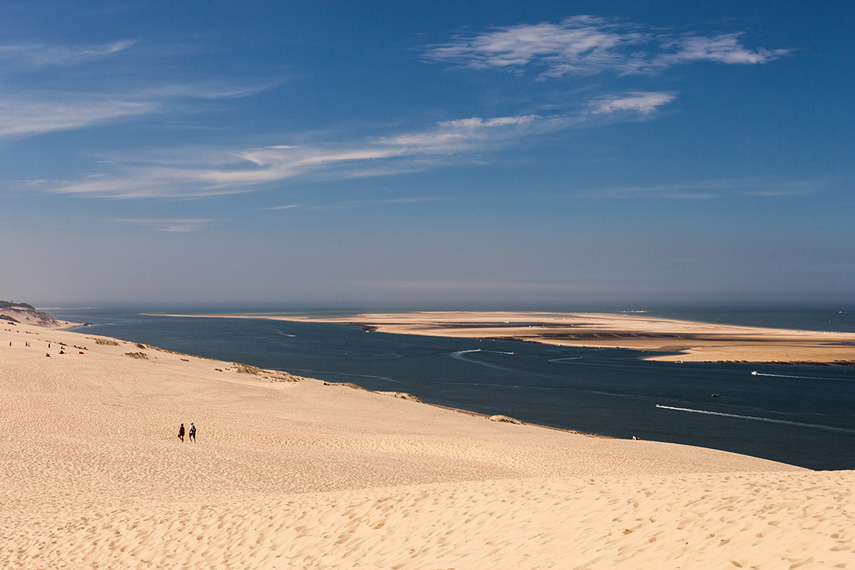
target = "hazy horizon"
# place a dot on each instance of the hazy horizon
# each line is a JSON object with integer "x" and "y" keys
{"x": 225, "y": 307}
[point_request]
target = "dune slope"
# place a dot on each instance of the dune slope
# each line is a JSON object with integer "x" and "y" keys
{"x": 289, "y": 472}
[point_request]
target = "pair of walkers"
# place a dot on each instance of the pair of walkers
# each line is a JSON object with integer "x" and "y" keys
{"x": 191, "y": 433}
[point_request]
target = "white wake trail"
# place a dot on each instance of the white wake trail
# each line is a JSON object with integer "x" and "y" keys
{"x": 755, "y": 373}
{"x": 565, "y": 358}
{"x": 459, "y": 355}
{"x": 758, "y": 419}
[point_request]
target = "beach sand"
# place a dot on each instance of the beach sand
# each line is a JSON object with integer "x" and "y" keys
{"x": 290, "y": 472}
{"x": 680, "y": 341}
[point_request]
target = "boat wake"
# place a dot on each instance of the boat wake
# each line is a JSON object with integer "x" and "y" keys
{"x": 280, "y": 333}
{"x": 758, "y": 419}
{"x": 566, "y": 358}
{"x": 460, "y": 355}
{"x": 755, "y": 373}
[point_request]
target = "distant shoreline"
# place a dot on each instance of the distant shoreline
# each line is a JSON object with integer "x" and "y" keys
{"x": 673, "y": 340}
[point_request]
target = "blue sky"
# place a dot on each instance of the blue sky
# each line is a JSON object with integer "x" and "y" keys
{"x": 435, "y": 154}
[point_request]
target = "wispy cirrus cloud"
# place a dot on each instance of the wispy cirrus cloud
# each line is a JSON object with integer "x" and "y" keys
{"x": 213, "y": 173}
{"x": 40, "y": 54}
{"x": 180, "y": 225}
{"x": 25, "y": 116}
{"x": 587, "y": 45}
{"x": 638, "y": 101}
{"x": 284, "y": 207}
{"x": 721, "y": 48}
{"x": 461, "y": 135}
{"x": 43, "y": 90}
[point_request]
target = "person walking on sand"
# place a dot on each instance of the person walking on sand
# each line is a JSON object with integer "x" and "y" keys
{"x": 181, "y": 433}
{"x": 192, "y": 432}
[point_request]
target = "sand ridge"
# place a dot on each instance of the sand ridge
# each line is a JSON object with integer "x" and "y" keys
{"x": 291, "y": 473}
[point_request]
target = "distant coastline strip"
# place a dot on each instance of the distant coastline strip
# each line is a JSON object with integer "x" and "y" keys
{"x": 661, "y": 339}
{"x": 758, "y": 419}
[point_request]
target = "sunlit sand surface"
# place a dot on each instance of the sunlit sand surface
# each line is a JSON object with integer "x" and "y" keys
{"x": 290, "y": 472}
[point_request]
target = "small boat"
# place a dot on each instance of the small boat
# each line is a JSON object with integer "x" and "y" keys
{"x": 715, "y": 395}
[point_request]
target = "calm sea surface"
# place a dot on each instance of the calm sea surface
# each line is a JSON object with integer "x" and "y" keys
{"x": 803, "y": 415}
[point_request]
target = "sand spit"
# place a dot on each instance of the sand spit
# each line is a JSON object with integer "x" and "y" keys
{"x": 681, "y": 341}
{"x": 290, "y": 473}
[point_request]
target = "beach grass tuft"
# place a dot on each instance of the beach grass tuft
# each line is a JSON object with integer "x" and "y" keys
{"x": 140, "y": 355}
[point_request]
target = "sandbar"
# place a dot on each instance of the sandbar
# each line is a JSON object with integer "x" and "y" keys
{"x": 669, "y": 340}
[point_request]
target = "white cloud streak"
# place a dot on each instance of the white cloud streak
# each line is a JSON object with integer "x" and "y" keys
{"x": 284, "y": 207}
{"x": 238, "y": 171}
{"x": 40, "y": 55}
{"x": 29, "y": 114}
{"x": 36, "y": 115}
{"x": 587, "y": 45}
{"x": 641, "y": 102}
{"x": 25, "y": 111}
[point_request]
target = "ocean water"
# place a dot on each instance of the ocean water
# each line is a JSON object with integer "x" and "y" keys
{"x": 797, "y": 414}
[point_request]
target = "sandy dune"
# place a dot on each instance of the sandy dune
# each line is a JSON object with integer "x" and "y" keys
{"x": 293, "y": 473}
